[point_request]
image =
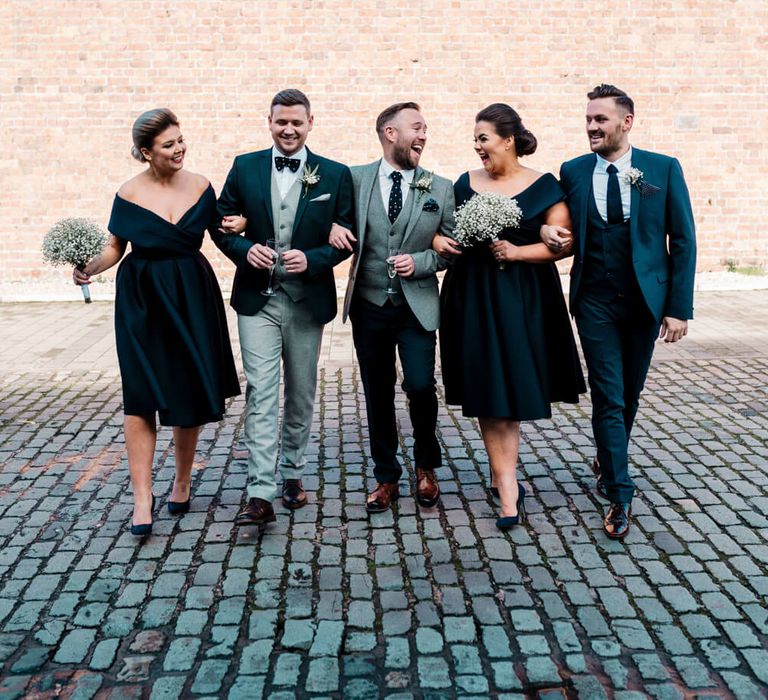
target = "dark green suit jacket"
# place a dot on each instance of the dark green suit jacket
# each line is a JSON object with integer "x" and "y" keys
{"x": 331, "y": 200}
{"x": 662, "y": 231}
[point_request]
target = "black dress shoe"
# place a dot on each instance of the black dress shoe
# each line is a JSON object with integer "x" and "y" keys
{"x": 294, "y": 495}
{"x": 599, "y": 485}
{"x": 256, "y": 512}
{"x": 616, "y": 523}
{"x": 144, "y": 529}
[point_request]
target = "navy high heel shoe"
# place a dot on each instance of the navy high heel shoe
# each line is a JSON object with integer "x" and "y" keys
{"x": 179, "y": 507}
{"x": 494, "y": 490}
{"x": 145, "y": 528}
{"x": 509, "y": 521}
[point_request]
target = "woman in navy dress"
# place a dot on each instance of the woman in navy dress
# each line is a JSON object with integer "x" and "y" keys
{"x": 506, "y": 344}
{"x": 170, "y": 325}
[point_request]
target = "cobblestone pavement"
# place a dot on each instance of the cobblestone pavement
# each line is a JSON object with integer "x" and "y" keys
{"x": 415, "y": 603}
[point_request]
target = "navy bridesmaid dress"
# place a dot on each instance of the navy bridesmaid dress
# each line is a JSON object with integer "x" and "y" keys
{"x": 170, "y": 325}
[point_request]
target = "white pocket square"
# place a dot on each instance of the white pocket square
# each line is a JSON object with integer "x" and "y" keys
{"x": 322, "y": 198}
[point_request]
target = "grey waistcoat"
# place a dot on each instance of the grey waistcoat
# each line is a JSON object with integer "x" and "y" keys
{"x": 283, "y": 216}
{"x": 380, "y": 236}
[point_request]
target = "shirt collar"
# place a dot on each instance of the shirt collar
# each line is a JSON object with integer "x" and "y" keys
{"x": 301, "y": 155}
{"x": 386, "y": 169}
{"x": 621, "y": 164}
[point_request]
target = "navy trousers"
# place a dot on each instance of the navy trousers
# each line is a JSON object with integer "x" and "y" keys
{"x": 377, "y": 331}
{"x": 617, "y": 338}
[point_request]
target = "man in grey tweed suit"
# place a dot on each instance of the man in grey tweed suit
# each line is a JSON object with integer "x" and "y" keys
{"x": 399, "y": 208}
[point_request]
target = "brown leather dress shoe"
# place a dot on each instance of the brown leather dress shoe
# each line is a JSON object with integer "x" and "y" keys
{"x": 294, "y": 495}
{"x": 427, "y": 489}
{"x": 256, "y": 512}
{"x": 381, "y": 497}
{"x": 616, "y": 523}
{"x": 599, "y": 485}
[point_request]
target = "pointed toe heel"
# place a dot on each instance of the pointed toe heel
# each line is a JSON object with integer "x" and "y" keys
{"x": 143, "y": 529}
{"x": 507, "y": 522}
{"x": 179, "y": 507}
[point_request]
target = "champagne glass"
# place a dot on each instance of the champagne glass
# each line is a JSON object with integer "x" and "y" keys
{"x": 269, "y": 292}
{"x": 391, "y": 272}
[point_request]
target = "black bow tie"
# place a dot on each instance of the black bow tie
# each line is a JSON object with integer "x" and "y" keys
{"x": 292, "y": 163}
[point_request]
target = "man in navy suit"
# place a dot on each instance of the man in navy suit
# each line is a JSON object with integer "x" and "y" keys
{"x": 293, "y": 196}
{"x": 632, "y": 277}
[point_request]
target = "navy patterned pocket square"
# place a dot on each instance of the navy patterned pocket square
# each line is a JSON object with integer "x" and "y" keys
{"x": 647, "y": 189}
{"x": 431, "y": 205}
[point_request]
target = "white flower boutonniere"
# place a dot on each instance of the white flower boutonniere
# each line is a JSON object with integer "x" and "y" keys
{"x": 309, "y": 178}
{"x": 423, "y": 184}
{"x": 634, "y": 178}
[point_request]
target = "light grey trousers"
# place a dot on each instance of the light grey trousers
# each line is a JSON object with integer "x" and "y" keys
{"x": 282, "y": 330}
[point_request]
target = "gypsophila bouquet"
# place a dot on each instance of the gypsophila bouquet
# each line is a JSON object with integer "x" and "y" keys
{"x": 484, "y": 217}
{"x": 74, "y": 242}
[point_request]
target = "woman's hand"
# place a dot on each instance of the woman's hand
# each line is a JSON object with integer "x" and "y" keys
{"x": 233, "y": 224}
{"x": 557, "y": 238}
{"x": 444, "y": 246}
{"x": 504, "y": 251}
{"x": 79, "y": 277}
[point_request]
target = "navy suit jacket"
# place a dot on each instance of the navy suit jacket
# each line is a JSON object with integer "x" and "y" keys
{"x": 247, "y": 192}
{"x": 662, "y": 231}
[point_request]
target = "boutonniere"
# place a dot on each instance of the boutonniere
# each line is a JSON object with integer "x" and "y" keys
{"x": 309, "y": 178}
{"x": 423, "y": 184}
{"x": 634, "y": 178}
{"x": 431, "y": 205}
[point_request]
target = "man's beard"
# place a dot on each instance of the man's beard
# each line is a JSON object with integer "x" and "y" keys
{"x": 402, "y": 156}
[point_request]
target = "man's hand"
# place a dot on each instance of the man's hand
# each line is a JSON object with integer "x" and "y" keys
{"x": 404, "y": 265}
{"x": 261, "y": 257}
{"x": 444, "y": 246}
{"x": 294, "y": 262}
{"x": 673, "y": 329}
{"x": 341, "y": 238}
{"x": 233, "y": 224}
{"x": 557, "y": 238}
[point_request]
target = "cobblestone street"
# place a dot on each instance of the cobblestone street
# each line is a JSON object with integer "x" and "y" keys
{"x": 413, "y": 603}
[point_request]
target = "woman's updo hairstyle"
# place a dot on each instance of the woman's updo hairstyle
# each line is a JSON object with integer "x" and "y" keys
{"x": 147, "y": 127}
{"x": 507, "y": 123}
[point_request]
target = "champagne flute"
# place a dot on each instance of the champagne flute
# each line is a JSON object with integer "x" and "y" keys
{"x": 269, "y": 292}
{"x": 391, "y": 272}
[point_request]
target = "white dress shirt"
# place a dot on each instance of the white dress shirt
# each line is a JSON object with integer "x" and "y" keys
{"x": 385, "y": 182}
{"x": 285, "y": 178}
{"x": 600, "y": 183}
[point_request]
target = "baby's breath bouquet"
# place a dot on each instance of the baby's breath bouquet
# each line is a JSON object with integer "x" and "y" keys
{"x": 74, "y": 242}
{"x": 484, "y": 217}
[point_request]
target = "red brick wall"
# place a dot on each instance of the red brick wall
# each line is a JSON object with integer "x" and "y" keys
{"x": 74, "y": 74}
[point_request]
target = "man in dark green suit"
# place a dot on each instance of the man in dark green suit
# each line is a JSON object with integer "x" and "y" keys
{"x": 288, "y": 194}
{"x": 632, "y": 277}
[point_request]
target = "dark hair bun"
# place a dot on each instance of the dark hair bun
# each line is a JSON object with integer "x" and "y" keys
{"x": 525, "y": 143}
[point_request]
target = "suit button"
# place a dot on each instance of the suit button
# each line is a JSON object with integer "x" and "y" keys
{"x": 282, "y": 227}
{"x": 392, "y": 234}
{"x": 283, "y": 207}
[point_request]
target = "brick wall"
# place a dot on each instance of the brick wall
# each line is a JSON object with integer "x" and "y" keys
{"x": 75, "y": 73}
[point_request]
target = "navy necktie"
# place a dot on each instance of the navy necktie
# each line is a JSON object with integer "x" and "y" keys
{"x": 613, "y": 197}
{"x": 291, "y": 163}
{"x": 395, "y": 196}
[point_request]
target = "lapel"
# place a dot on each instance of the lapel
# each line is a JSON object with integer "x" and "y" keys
{"x": 304, "y": 198}
{"x": 416, "y": 205}
{"x": 585, "y": 179}
{"x": 368, "y": 179}
{"x": 264, "y": 178}
{"x": 635, "y": 208}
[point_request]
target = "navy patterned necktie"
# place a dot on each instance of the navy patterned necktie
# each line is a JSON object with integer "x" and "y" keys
{"x": 613, "y": 197}
{"x": 395, "y": 196}
{"x": 291, "y": 163}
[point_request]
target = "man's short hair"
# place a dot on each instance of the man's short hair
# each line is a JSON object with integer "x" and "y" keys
{"x": 389, "y": 114}
{"x": 620, "y": 97}
{"x": 289, "y": 98}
